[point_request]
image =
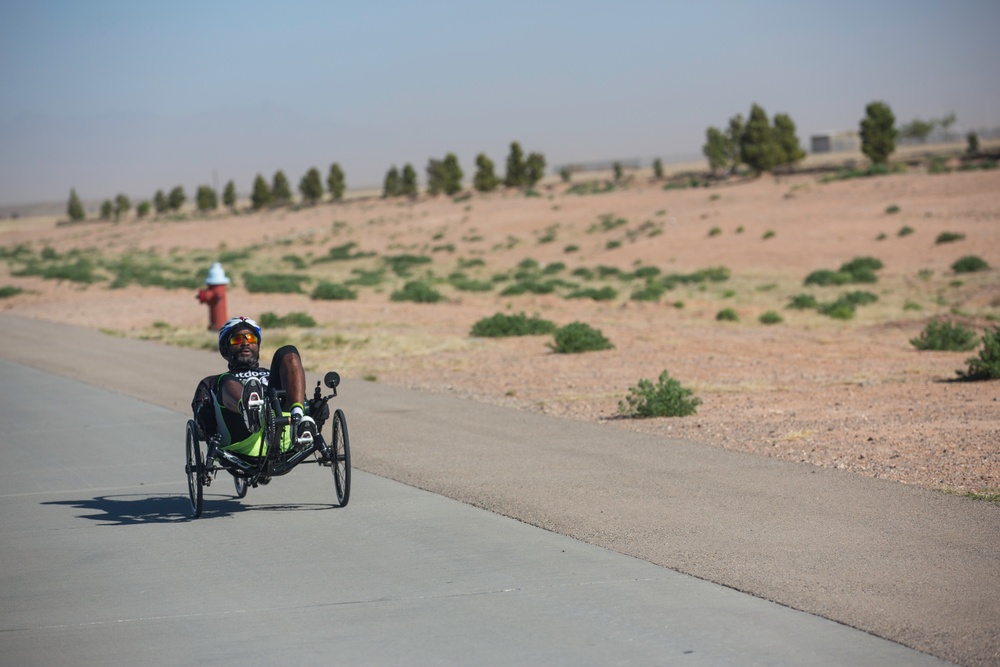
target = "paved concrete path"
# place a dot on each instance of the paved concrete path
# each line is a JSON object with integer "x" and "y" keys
{"x": 101, "y": 566}
{"x": 915, "y": 566}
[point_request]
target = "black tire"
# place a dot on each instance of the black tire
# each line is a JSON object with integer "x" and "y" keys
{"x": 195, "y": 469}
{"x": 241, "y": 486}
{"x": 340, "y": 452}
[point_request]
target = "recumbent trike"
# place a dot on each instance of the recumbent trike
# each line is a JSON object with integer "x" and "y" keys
{"x": 205, "y": 458}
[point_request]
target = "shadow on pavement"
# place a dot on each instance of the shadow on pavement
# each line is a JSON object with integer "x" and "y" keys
{"x": 132, "y": 510}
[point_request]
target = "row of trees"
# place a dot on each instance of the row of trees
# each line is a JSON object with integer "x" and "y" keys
{"x": 446, "y": 175}
{"x": 443, "y": 176}
{"x": 279, "y": 192}
{"x": 207, "y": 199}
{"x": 755, "y": 143}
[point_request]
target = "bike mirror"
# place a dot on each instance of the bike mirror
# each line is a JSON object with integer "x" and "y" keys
{"x": 332, "y": 379}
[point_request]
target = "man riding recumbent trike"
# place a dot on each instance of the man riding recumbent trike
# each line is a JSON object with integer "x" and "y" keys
{"x": 256, "y": 423}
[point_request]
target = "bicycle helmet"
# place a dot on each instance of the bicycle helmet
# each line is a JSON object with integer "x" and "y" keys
{"x": 231, "y": 326}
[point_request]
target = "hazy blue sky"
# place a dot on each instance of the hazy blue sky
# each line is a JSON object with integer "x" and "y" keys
{"x": 113, "y": 96}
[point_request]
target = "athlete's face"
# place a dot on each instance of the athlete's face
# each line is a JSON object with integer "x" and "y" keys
{"x": 244, "y": 348}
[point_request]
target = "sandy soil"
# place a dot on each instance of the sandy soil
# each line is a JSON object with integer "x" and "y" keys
{"x": 851, "y": 394}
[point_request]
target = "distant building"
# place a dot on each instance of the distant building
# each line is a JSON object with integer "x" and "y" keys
{"x": 835, "y": 141}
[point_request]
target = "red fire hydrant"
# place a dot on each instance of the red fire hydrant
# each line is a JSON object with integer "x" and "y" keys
{"x": 214, "y": 294}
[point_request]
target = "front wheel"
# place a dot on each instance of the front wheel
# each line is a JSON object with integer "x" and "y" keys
{"x": 195, "y": 469}
{"x": 241, "y": 486}
{"x": 340, "y": 455}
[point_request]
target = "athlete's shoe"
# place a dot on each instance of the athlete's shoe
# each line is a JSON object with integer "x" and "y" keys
{"x": 252, "y": 404}
{"x": 305, "y": 433}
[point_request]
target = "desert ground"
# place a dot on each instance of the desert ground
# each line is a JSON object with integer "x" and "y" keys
{"x": 850, "y": 394}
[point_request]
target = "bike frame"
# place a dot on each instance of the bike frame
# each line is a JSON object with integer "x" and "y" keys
{"x": 274, "y": 463}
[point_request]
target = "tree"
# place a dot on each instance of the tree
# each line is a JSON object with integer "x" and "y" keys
{"x": 122, "y": 206}
{"x": 515, "y": 167}
{"x": 616, "y": 169}
{"x": 734, "y": 136}
{"x": 390, "y": 188}
{"x": 408, "y": 181}
{"x": 142, "y": 210}
{"x": 534, "y": 169}
{"x": 229, "y": 194}
{"x": 658, "y": 169}
{"x": 435, "y": 177}
{"x": 451, "y": 174}
{"x": 176, "y": 198}
{"x": 281, "y": 191}
{"x": 973, "y": 144}
{"x": 947, "y": 121}
{"x": 261, "y": 195}
{"x": 878, "y": 132}
{"x": 160, "y": 202}
{"x": 335, "y": 182}
{"x": 206, "y": 198}
{"x": 74, "y": 208}
{"x": 311, "y": 186}
{"x": 786, "y": 141}
{"x": 485, "y": 180}
{"x": 107, "y": 209}
{"x": 917, "y": 129}
{"x": 717, "y": 149}
{"x": 757, "y": 147}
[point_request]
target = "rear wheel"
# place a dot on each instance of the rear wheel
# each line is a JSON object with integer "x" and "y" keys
{"x": 340, "y": 453}
{"x": 195, "y": 469}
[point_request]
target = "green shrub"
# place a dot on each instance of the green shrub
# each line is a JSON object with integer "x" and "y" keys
{"x": 948, "y": 237}
{"x": 841, "y": 309}
{"x": 945, "y": 335}
{"x": 81, "y": 270}
{"x": 417, "y": 292}
{"x": 603, "y": 294}
{"x": 328, "y": 291}
{"x": 771, "y": 317}
{"x": 401, "y": 264}
{"x": 861, "y": 264}
{"x": 827, "y": 277}
{"x": 502, "y": 326}
{"x": 571, "y": 248}
{"x": 727, "y": 315}
{"x": 647, "y": 272}
{"x": 149, "y": 271}
{"x": 273, "y": 283}
{"x": 987, "y": 365}
{"x": 8, "y": 291}
{"x": 363, "y": 278}
{"x": 905, "y": 230}
{"x": 859, "y": 298}
{"x": 579, "y": 337}
{"x": 530, "y": 285}
{"x": 651, "y": 292}
{"x": 803, "y": 302}
{"x": 269, "y": 320}
{"x": 667, "y": 398}
{"x": 892, "y": 208}
{"x": 970, "y": 264}
{"x": 342, "y": 253}
{"x": 465, "y": 284}
{"x": 296, "y": 261}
